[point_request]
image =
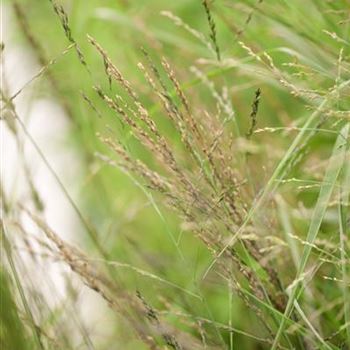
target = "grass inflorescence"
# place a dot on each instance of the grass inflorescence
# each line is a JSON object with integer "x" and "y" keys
{"x": 215, "y": 220}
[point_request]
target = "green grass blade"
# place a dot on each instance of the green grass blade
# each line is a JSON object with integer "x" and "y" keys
{"x": 28, "y": 312}
{"x": 12, "y": 334}
{"x": 343, "y": 232}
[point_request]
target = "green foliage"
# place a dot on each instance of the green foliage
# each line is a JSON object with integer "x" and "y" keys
{"x": 12, "y": 330}
{"x": 213, "y": 211}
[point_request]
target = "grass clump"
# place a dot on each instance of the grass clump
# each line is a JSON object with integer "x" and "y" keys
{"x": 215, "y": 187}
